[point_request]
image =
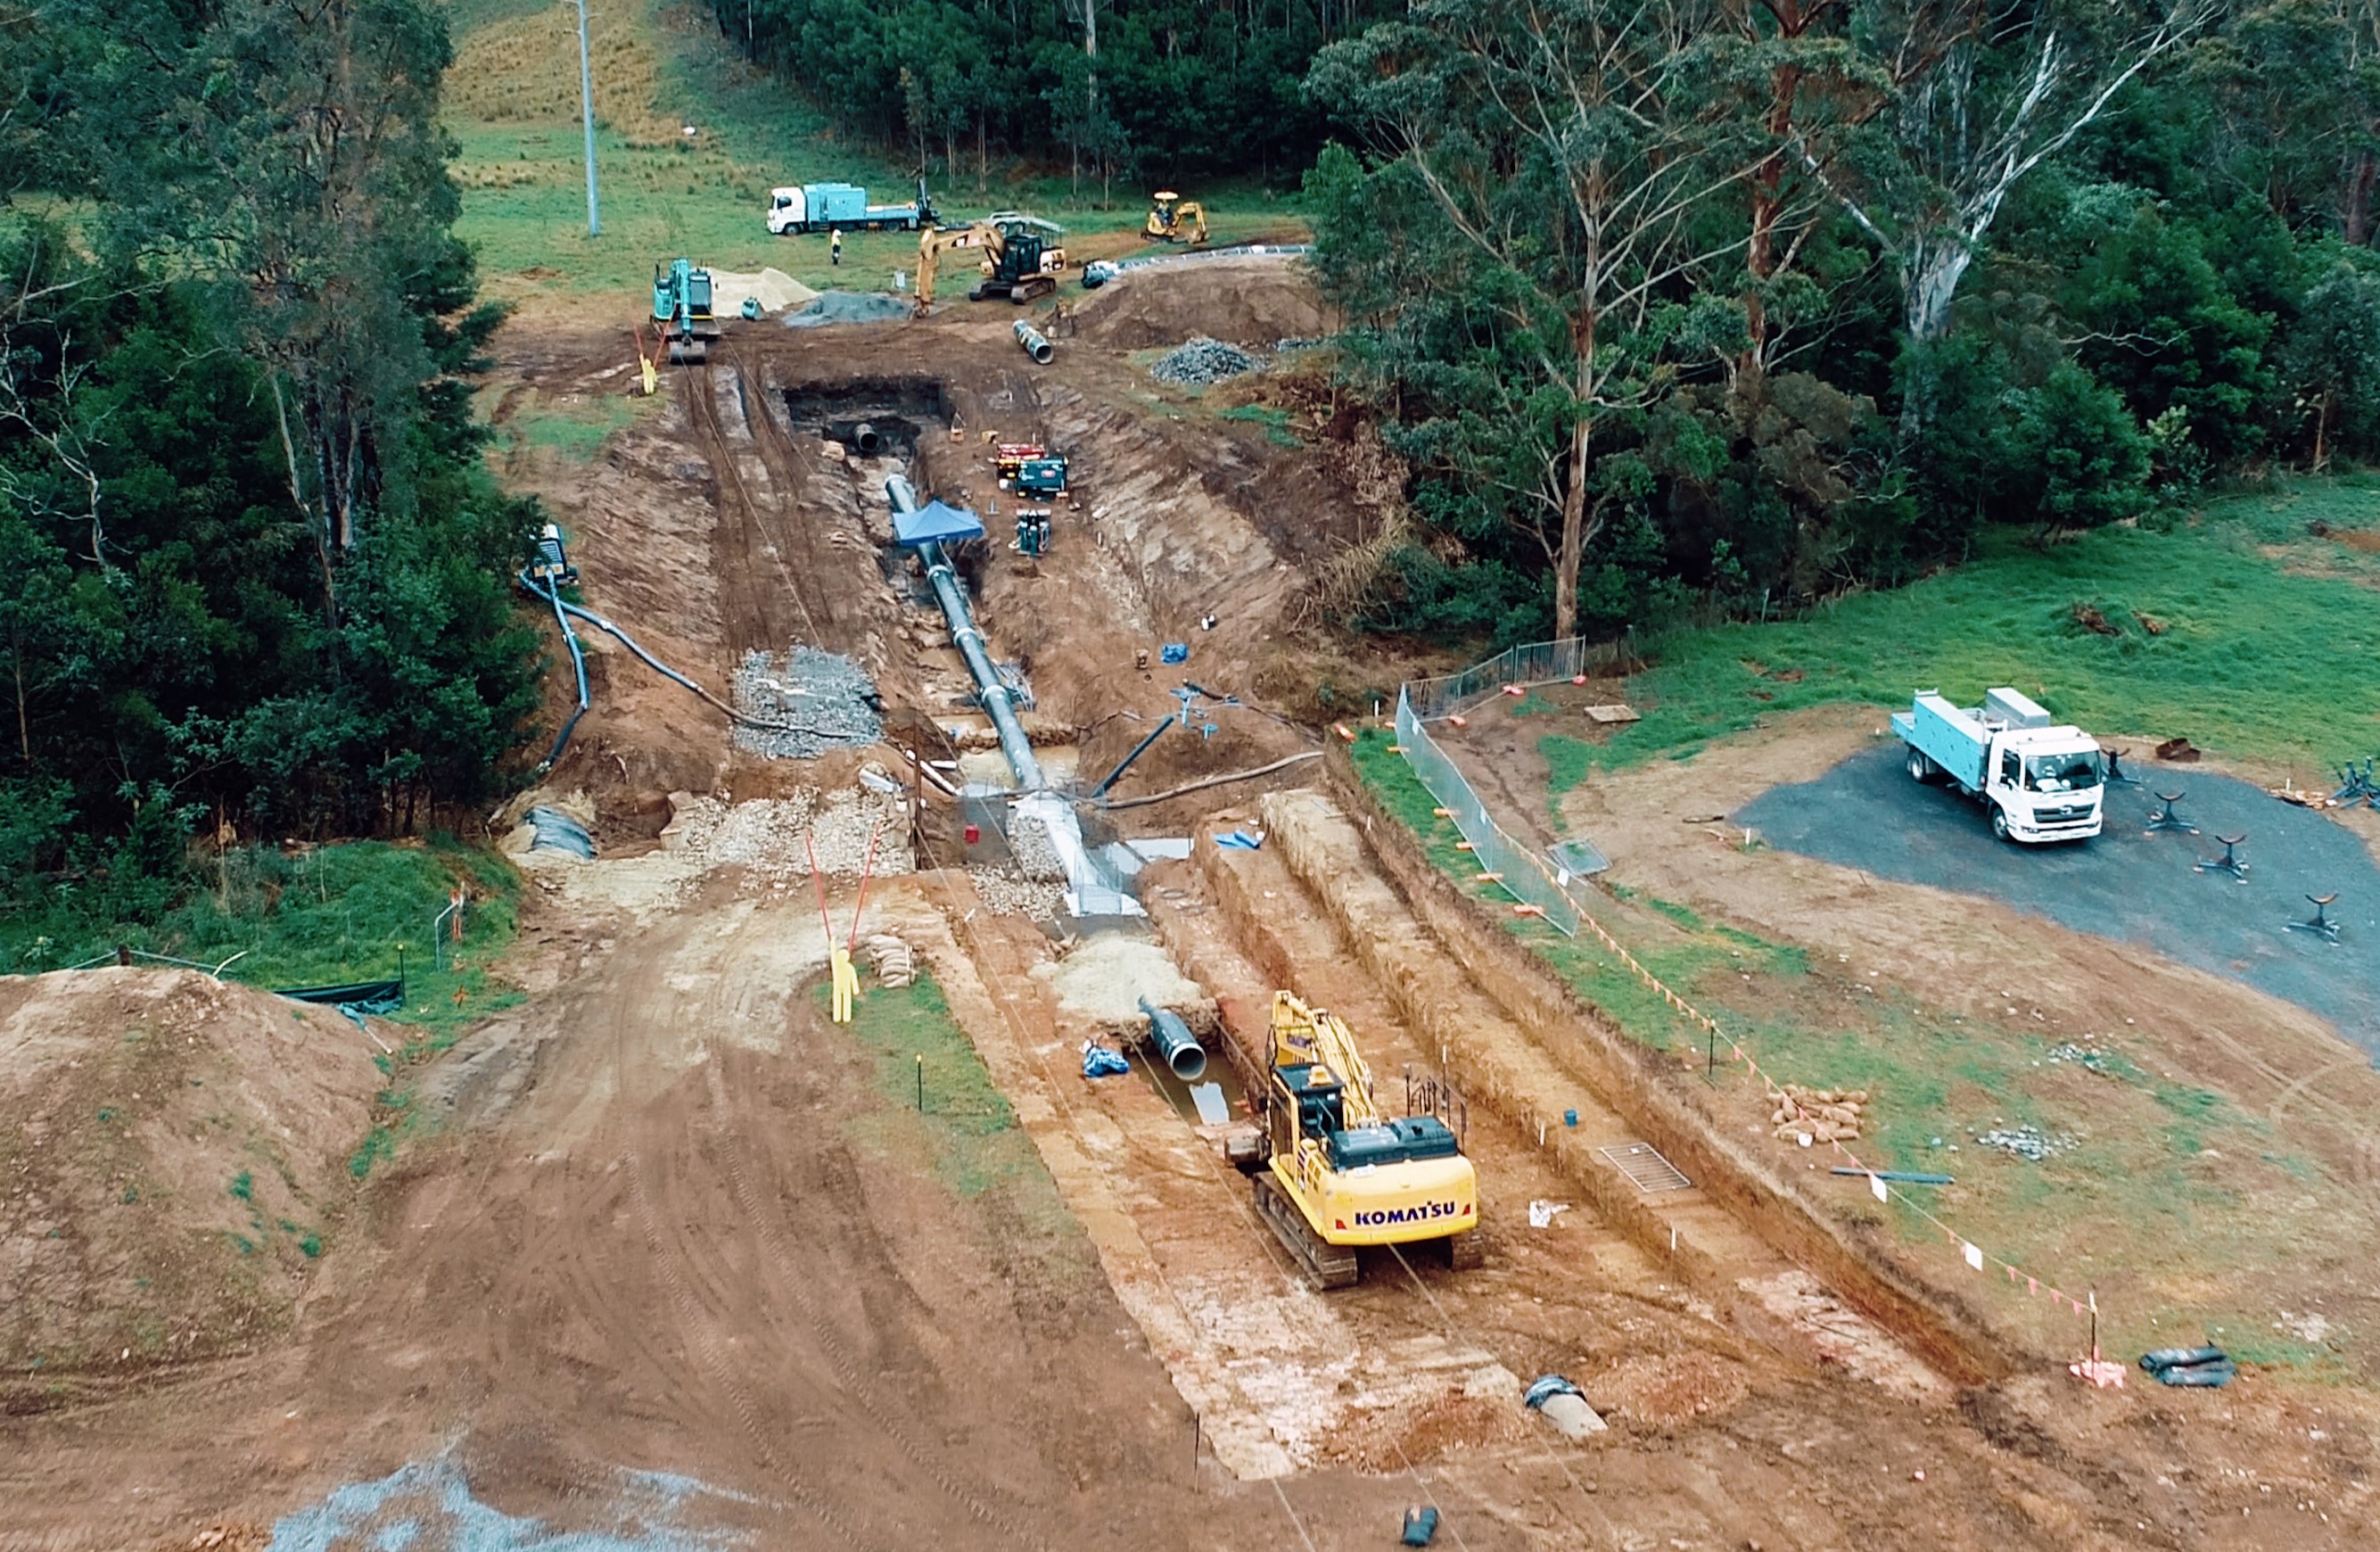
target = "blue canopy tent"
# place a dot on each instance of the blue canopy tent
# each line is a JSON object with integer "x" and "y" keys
{"x": 935, "y": 523}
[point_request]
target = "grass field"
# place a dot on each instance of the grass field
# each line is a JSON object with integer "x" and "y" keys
{"x": 2146, "y": 1167}
{"x": 938, "y": 1112}
{"x": 339, "y": 913}
{"x": 512, "y": 106}
{"x": 2234, "y": 625}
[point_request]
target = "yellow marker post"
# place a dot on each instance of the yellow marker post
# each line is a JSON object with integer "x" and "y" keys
{"x": 846, "y": 985}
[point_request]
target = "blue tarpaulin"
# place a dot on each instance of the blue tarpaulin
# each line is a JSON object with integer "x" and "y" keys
{"x": 936, "y": 522}
{"x": 1100, "y": 1062}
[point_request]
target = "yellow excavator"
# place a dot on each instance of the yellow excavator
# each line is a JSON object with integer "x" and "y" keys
{"x": 1334, "y": 1174}
{"x": 1017, "y": 262}
{"x": 1173, "y": 218}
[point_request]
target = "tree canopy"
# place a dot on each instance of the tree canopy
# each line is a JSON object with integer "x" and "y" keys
{"x": 1742, "y": 302}
{"x": 251, "y": 571}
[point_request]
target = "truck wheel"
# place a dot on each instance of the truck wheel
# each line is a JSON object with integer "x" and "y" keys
{"x": 1999, "y": 823}
{"x": 1921, "y": 769}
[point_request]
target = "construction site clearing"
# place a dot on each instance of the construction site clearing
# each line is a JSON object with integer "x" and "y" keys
{"x": 665, "y": 1256}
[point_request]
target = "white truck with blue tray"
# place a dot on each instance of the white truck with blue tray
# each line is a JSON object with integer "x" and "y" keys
{"x": 818, "y": 207}
{"x": 2041, "y": 782}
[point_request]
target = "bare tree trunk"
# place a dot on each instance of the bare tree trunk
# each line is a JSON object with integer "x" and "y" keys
{"x": 24, "y": 724}
{"x": 2355, "y": 208}
{"x": 1573, "y": 533}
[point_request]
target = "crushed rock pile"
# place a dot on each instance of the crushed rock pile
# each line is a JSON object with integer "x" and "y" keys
{"x": 1202, "y": 361}
{"x": 2025, "y": 1141}
{"x": 848, "y": 307}
{"x": 776, "y": 836}
{"x": 819, "y": 700}
{"x": 1028, "y": 841}
{"x": 174, "y": 1156}
{"x": 1004, "y": 893}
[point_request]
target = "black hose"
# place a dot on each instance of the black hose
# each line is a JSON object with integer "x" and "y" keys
{"x": 655, "y": 663}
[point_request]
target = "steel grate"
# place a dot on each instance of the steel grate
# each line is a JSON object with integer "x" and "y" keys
{"x": 1644, "y": 1164}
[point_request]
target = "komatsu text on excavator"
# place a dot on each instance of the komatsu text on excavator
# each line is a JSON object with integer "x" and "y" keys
{"x": 1335, "y": 1174}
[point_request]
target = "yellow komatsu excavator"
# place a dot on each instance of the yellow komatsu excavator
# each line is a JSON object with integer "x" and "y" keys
{"x": 1336, "y": 1174}
{"x": 1173, "y": 218}
{"x": 1016, "y": 260}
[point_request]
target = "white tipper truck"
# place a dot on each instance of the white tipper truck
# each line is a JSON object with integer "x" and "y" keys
{"x": 2041, "y": 783}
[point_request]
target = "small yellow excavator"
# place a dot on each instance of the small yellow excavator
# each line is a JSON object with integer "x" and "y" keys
{"x": 1173, "y": 218}
{"x": 1334, "y": 1174}
{"x": 1018, "y": 262}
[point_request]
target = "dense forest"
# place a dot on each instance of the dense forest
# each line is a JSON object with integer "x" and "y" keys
{"x": 252, "y": 576}
{"x": 1171, "y": 89}
{"x": 1730, "y": 306}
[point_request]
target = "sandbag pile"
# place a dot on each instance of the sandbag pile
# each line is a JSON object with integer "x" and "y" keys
{"x": 891, "y": 960}
{"x": 1822, "y": 1115}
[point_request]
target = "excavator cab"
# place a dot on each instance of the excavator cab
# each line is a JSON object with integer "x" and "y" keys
{"x": 1173, "y": 218}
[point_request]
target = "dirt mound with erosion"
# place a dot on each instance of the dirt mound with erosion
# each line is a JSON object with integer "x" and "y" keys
{"x": 172, "y": 1149}
{"x": 1253, "y": 302}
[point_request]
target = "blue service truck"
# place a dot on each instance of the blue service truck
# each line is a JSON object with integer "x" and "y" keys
{"x": 818, "y": 207}
{"x": 2041, "y": 783}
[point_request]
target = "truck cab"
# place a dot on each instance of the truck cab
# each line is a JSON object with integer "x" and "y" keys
{"x": 2041, "y": 782}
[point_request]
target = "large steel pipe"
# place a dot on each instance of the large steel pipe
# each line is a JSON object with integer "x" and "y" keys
{"x": 1175, "y": 1041}
{"x": 999, "y": 703}
{"x": 1035, "y": 346}
{"x": 866, "y": 440}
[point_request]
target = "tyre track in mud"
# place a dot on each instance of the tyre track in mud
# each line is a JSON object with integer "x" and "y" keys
{"x": 745, "y": 551}
{"x": 849, "y": 1377}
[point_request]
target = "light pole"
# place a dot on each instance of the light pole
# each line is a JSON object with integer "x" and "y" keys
{"x": 586, "y": 112}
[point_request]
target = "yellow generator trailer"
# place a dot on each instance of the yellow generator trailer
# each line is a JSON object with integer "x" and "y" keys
{"x": 1337, "y": 1175}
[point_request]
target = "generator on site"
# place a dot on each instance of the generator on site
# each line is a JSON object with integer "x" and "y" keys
{"x": 1029, "y": 468}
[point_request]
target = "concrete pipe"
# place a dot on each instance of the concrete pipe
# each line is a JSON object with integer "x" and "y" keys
{"x": 865, "y": 440}
{"x": 1175, "y": 1043}
{"x": 1035, "y": 346}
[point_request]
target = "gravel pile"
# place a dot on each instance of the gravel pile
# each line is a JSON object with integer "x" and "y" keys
{"x": 2024, "y": 1142}
{"x": 1004, "y": 893}
{"x": 1203, "y": 360}
{"x": 848, "y": 307}
{"x": 822, "y": 698}
{"x": 768, "y": 834}
{"x": 1028, "y": 841}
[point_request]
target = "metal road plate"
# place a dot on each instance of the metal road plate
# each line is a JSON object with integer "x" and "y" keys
{"x": 1213, "y": 1108}
{"x": 1644, "y": 1164}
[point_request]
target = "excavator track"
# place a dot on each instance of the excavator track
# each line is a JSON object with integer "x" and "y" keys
{"x": 1326, "y": 1265}
{"x": 1467, "y": 1250}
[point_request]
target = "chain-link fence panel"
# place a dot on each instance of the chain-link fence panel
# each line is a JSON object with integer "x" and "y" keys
{"x": 1507, "y": 864}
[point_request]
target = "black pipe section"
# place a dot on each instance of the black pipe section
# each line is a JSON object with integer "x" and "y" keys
{"x": 1125, "y": 764}
{"x": 864, "y": 439}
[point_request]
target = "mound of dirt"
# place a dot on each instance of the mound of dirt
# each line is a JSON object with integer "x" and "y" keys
{"x": 776, "y": 289}
{"x": 1253, "y": 302}
{"x": 172, "y": 1150}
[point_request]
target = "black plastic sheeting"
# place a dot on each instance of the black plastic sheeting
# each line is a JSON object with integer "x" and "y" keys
{"x": 2125, "y": 884}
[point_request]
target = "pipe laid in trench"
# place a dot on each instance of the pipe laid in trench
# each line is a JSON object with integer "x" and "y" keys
{"x": 999, "y": 702}
{"x": 1175, "y": 1043}
{"x": 866, "y": 440}
{"x": 1034, "y": 344}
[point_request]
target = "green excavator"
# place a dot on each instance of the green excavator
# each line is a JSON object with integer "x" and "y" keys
{"x": 681, "y": 311}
